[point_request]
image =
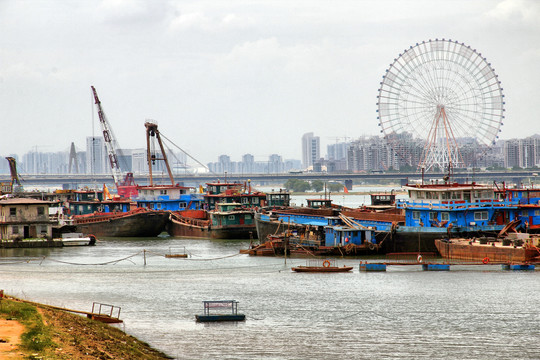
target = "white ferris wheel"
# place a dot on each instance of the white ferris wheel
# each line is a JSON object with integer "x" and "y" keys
{"x": 440, "y": 92}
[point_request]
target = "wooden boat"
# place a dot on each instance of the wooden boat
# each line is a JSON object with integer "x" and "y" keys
{"x": 326, "y": 266}
{"x": 230, "y": 305}
{"x": 491, "y": 249}
{"x": 322, "y": 269}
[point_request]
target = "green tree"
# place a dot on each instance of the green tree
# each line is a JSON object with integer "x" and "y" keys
{"x": 335, "y": 187}
{"x": 297, "y": 185}
{"x": 317, "y": 185}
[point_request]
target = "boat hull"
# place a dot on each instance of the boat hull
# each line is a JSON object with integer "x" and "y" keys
{"x": 473, "y": 251}
{"x": 320, "y": 269}
{"x": 147, "y": 223}
{"x": 195, "y": 224}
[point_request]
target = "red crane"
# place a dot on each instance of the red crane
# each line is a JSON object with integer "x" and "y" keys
{"x": 127, "y": 187}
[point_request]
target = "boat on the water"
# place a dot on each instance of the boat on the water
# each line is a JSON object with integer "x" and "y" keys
{"x": 78, "y": 239}
{"x": 230, "y": 306}
{"x": 139, "y": 222}
{"x": 515, "y": 248}
{"x": 326, "y": 266}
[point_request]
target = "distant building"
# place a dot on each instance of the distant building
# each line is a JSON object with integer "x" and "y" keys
{"x": 523, "y": 153}
{"x": 247, "y": 165}
{"x": 95, "y": 155}
{"x": 311, "y": 151}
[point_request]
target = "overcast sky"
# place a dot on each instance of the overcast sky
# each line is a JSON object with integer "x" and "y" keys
{"x": 236, "y": 77}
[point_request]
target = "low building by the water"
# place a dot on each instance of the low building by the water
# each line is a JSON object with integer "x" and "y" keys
{"x": 22, "y": 218}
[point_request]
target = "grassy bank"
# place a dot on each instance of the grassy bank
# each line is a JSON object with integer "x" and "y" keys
{"x": 55, "y": 334}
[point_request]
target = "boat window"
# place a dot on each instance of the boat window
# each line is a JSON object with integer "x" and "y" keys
{"x": 467, "y": 196}
{"x": 255, "y": 200}
{"x": 432, "y": 215}
{"x": 416, "y": 215}
{"x": 81, "y": 208}
{"x": 158, "y": 206}
{"x": 182, "y": 204}
{"x": 44, "y": 230}
{"x": 456, "y": 195}
{"x": 231, "y": 217}
{"x": 12, "y": 211}
{"x": 480, "y": 215}
{"x": 445, "y": 216}
{"x": 15, "y": 229}
{"x": 40, "y": 210}
{"x": 163, "y": 192}
{"x": 536, "y": 212}
{"x": 247, "y": 216}
{"x": 420, "y": 195}
{"x": 245, "y": 200}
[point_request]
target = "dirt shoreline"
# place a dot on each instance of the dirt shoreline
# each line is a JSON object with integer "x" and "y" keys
{"x": 72, "y": 337}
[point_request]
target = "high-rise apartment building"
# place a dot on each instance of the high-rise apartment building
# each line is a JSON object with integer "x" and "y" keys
{"x": 311, "y": 152}
{"x": 95, "y": 155}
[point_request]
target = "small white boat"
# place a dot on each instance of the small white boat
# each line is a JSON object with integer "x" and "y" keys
{"x": 77, "y": 239}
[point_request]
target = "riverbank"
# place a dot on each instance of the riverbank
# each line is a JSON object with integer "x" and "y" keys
{"x": 32, "y": 331}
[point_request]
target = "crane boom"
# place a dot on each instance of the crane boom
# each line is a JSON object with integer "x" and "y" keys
{"x": 110, "y": 141}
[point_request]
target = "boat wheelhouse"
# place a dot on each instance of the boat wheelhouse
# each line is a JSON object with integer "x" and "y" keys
{"x": 281, "y": 198}
{"x": 168, "y": 197}
{"x": 232, "y": 193}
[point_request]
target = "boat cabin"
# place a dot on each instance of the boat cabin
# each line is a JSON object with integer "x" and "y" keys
{"x": 337, "y": 236}
{"x": 90, "y": 207}
{"x": 231, "y": 214}
{"x": 319, "y": 203}
{"x": 278, "y": 198}
{"x": 168, "y": 197}
{"x": 232, "y": 193}
{"x": 387, "y": 199}
{"x": 439, "y": 205}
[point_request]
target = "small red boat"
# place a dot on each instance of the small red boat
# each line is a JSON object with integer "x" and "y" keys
{"x": 327, "y": 266}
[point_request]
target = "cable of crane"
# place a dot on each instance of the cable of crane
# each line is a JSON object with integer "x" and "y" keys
{"x": 191, "y": 157}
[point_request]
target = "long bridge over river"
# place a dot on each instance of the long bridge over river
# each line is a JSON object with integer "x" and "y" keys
{"x": 77, "y": 180}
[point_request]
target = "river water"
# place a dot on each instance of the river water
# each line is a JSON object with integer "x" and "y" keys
{"x": 475, "y": 312}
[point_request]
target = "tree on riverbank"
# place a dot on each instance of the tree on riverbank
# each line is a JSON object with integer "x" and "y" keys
{"x": 297, "y": 185}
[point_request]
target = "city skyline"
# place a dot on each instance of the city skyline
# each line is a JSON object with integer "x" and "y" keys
{"x": 213, "y": 72}
{"x": 358, "y": 155}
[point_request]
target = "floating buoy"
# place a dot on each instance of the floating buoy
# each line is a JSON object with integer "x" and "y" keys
{"x": 326, "y": 263}
{"x": 485, "y": 260}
